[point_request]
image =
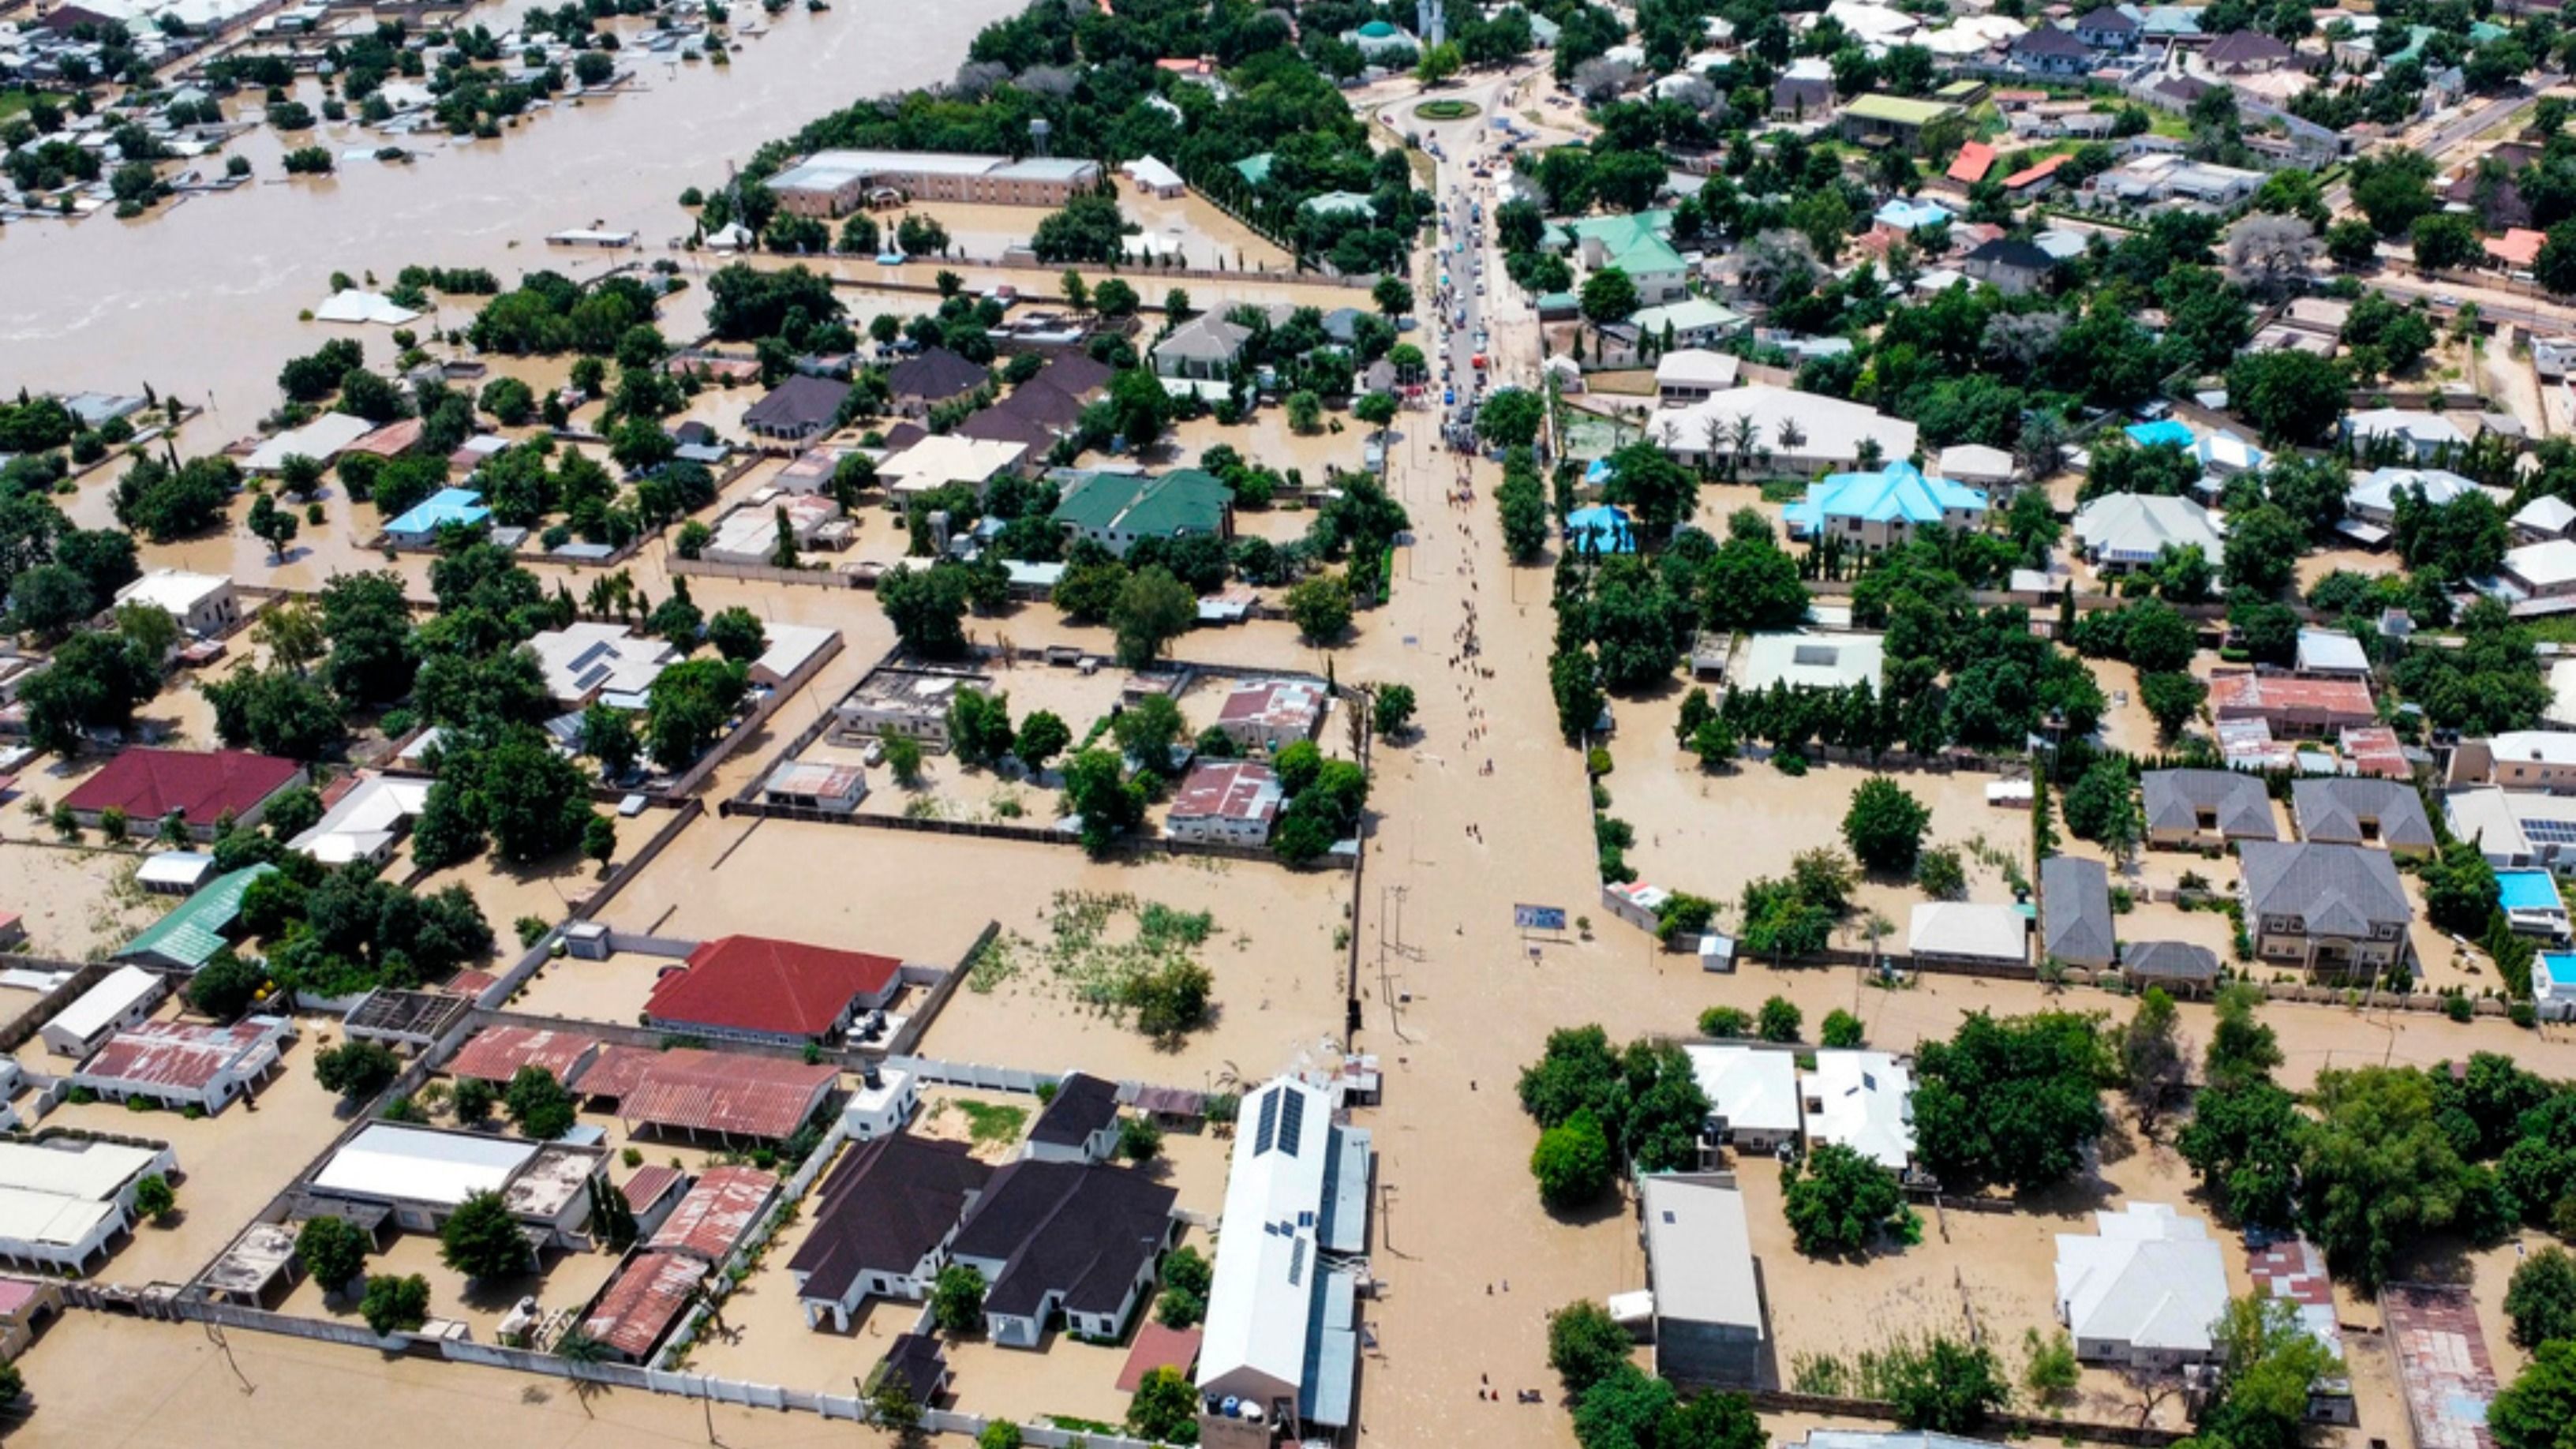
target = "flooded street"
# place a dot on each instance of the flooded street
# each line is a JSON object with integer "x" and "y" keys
{"x": 202, "y": 299}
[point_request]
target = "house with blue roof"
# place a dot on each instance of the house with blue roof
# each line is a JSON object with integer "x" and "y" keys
{"x": 1601, "y": 527}
{"x": 1900, "y": 214}
{"x": 1880, "y": 510}
{"x": 447, "y": 508}
{"x": 2553, "y": 985}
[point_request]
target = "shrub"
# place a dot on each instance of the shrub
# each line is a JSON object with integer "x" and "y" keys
{"x": 1780, "y": 1020}
{"x": 395, "y": 1305}
{"x": 1725, "y": 1021}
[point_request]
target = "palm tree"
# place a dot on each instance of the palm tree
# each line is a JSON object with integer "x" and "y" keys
{"x": 1791, "y": 435}
{"x": 1743, "y": 436}
{"x": 579, "y": 1351}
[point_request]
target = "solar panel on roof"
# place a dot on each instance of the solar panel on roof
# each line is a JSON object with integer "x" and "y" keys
{"x": 2550, "y": 832}
{"x": 1297, "y": 1262}
{"x": 1292, "y": 1120}
{"x": 1269, "y": 1129}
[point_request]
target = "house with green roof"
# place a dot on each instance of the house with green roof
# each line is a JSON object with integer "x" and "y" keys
{"x": 1639, "y": 243}
{"x": 1114, "y": 510}
{"x": 191, "y": 935}
{"x": 1338, "y": 203}
{"x": 1254, "y": 170}
{"x": 1379, "y": 37}
{"x": 1882, "y": 120}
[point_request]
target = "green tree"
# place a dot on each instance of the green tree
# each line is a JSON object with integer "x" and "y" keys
{"x": 1042, "y": 736}
{"x": 1148, "y": 732}
{"x": 2379, "y": 1171}
{"x": 979, "y": 727}
{"x": 1842, "y": 1030}
{"x": 2294, "y": 398}
{"x": 539, "y": 1104}
{"x": 1164, "y": 1404}
{"x": 1391, "y": 708}
{"x": 1321, "y": 605}
{"x": 1946, "y": 1387}
{"x": 2012, "y": 1101}
{"x": 1884, "y": 826}
{"x": 1097, "y": 790}
{"x": 1571, "y": 1163}
{"x": 2245, "y": 1139}
{"x": 332, "y": 1251}
{"x": 154, "y": 1199}
{"x": 2537, "y": 1409}
{"x": 1839, "y": 1200}
{"x": 1585, "y": 1344}
{"x": 481, "y": 1240}
{"x": 357, "y": 1070}
{"x": 395, "y": 1304}
{"x": 1609, "y": 297}
{"x": 2541, "y": 1300}
{"x": 1779, "y": 1019}
{"x": 957, "y": 1299}
{"x": 1153, "y": 609}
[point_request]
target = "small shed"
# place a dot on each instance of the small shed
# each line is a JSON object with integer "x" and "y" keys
{"x": 123, "y": 999}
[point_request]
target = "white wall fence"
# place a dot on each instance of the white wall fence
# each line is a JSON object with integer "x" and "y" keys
{"x": 973, "y": 1074}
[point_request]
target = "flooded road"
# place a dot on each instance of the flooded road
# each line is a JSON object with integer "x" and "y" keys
{"x": 203, "y": 299}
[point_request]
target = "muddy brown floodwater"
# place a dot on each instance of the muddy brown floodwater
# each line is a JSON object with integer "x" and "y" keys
{"x": 203, "y": 298}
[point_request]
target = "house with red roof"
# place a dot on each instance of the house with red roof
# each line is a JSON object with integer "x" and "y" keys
{"x": 694, "y": 1093}
{"x": 496, "y": 1053}
{"x": 755, "y": 988}
{"x": 2032, "y": 180}
{"x": 1970, "y": 166}
{"x": 719, "y": 1208}
{"x": 638, "y": 1308}
{"x": 183, "y": 1064}
{"x": 204, "y": 787}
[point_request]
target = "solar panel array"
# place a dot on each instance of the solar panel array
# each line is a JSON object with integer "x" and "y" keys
{"x": 1292, "y": 1118}
{"x": 1268, "y": 1131}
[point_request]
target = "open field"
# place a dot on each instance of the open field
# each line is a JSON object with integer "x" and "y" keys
{"x": 1690, "y": 822}
{"x": 235, "y": 1161}
{"x": 76, "y": 903}
{"x": 96, "y": 1380}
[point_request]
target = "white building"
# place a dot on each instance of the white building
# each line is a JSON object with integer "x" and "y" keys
{"x": 1752, "y": 1095}
{"x": 1800, "y": 433}
{"x": 125, "y": 998}
{"x": 424, "y": 1175}
{"x": 204, "y": 604}
{"x": 1153, "y": 178}
{"x": 1806, "y": 659}
{"x": 1960, "y": 931}
{"x": 1272, "y": 714}
{"x": 881, "y": 1106}
{"x": 749, "y": 535}
{"x": 1298, "y": 1189}
{"x": 364, "y": 825}
{"x": 820, "y": 785}
{"x": 1863, "y": 1100}
{"x": 2147, "y": 1292}
{"x": 2124, "y": 531}
{"x": 586, "y": 662}
{"x": 1691, "y": 374}
{"x": 1708, "y": 1294}
{"x": 321, "y": 440}
{"x": 64, "y": 1199}
{"x": 941, "y": 459}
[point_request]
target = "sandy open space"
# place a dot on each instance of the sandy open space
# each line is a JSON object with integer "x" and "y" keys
{"x": 77, "y": 903}
{"x": 235, "y": 1161}
{"x": 1690, "y": 822}
{"x": 568, "y": 1281}
{"x": 96, "y": 1380}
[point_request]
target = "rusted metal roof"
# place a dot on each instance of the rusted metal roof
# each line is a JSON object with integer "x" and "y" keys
{"x": 178, "y": 1054}
{"x": 738, "y": 1096}
{"x": 719, "y": 1209}
{"x": 644, "y": 1301}
{"x": 497, "y": 1052}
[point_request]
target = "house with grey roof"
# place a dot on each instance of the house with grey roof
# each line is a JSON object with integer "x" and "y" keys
{"x": 2206, "y": 807}
{"x": 1204, "y": 348}
{"x": 2075, "y": 912}
{"x": 2360, "y": 811}
{"x": 2172, "y": 966}
{"x": 2333, "y": 910}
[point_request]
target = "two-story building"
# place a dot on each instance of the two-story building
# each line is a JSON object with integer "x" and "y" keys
{"x": 2331, "y": 910}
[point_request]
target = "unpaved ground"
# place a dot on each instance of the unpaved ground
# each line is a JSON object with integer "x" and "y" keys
{"x": 76, "y": 904}
{"x": 96, "y": 1381}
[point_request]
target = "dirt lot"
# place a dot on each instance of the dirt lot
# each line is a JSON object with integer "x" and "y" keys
{"x": 568, "y": 1281}
{"x": 1690, "y": 822}
{"x": 1273, "y": 947}
{"x": 235, "y": 1162}
{"x": 96, "y": 1380}
{"x": 77, "y": 904}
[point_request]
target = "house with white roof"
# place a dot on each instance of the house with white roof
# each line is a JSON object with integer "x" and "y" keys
{"x": 1282, "y": 1335}
{"x": 1806, "y": 659}
{"x": 1691, "y": 374}
{"x": 2119, "y": 532}
{"x": 1884, "y": 509}
{"x": 1992, "y": 935}
{"x": 1752, "y": 1095}
{"x": 2545, "y": 517}
{"x": 2543, "y": 570}
{"x": 2145, "y": 1292}
{"x": 2331, "y": 654}
{"x": 64, "y": 1199}
{"x": 364, "y": 824}
{"x": 1153, "y": 178}
{"x": 1863, "y": 1100}
{"x": 2373, "y": 495}
{"x": 584, "y": 662}
{"x": 2420, "y": 436}
{"x": 204, "y": 604}
{"x": 1707, "y": 1289}
{"x": 321, "y": 440}
{"x": 1793, "y": 434}
{"x": 124, "y": 998}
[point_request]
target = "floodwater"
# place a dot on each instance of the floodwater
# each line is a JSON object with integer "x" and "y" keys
{"x": 202, "y": 299}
